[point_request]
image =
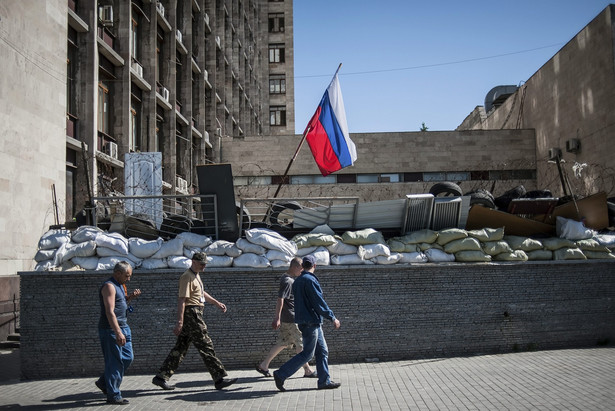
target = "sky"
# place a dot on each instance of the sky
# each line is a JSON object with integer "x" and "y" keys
{"x": 409, "y": 62}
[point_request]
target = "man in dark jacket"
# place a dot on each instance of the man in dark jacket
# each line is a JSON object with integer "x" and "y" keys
{"x": 310, "y": 309}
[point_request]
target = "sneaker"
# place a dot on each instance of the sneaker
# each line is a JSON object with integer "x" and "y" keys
{"x": 101, "y": 386}
{"x": 278, "y": 381}
{"x": 224, "y": 382}
{"x": 119, "y": 401}
{"x": 332, "y": 385}
{"x": 162, "y": 383}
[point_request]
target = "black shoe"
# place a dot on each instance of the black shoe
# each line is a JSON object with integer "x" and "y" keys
{"x": 101, "y": 386}
{"x": 278, "y": 381}
{"x": 162, "y": 383}
{"x": 223, "y": 383}
{"x": 330, "y": 386}
{"x": 121, "y": 401}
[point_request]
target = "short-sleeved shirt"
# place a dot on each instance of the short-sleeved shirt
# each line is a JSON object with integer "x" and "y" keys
{"x": 191, "y": 288}
{"x": 286, "y": 292}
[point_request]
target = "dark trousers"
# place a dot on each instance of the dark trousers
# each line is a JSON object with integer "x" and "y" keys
{"x": 194, "y": 331}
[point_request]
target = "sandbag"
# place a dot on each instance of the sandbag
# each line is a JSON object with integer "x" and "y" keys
{"x": 70, "y": 250}
{"x": 46, "y": 265}
{"x": 346, "y": 259}
{"x": 108, "y": 263}
{"x": 606, "y": 240}
{"x": 302, "y": 252}
{"x": 87, "y": 263}
{"x": 568, "y": 254}
{"x": 598, "y": 255}
{"x": 278, "y": 263}
{"x": 517, "y": 255}
{"x": 223, "y": 247}
{"x": 42, "y": 255}
{"x": 169, "y": 248}
{"x": 591, "y": 245}
{"x": 313, "y": 239}
{"x": 341, "y": 248}
{"x": 323, "y": 229}
{"x": 387, "y": 259}
{"x": 428, "y": 246}
{"x": 154, "y": 263}
{"x": 487, "y": 234}
{"x": 462, "y": 244}
{"x": 271, "y": 240}
{"x": 450, "y": 234}
{"x": 539, "y": 255}
{"x": 421, "y": 236}
{"x": 322, "y": 256}
{"x": 278, "y": 255}
{"x": 194, "y": 239}
{"x": 435, "y": 255}
{"x": 496, "y": 247}
{"x": 522, "y": 243}
{"x": 247, "y": 247}
{"x": 114, "y": 241}
{"x": 190, "y": 251}
{"x": 249, "y": 260}
{"x": 369, "y": 251}
{"x": 179, "y": 261}
{"x": 53, "y": 239}
{"x": 413, "y": 258}
{"x": 361, "y": 237}
{"x": 572, "y": 230}
{"x": 472, "y": 256}
{"x": 219, "y": 261}
{"x": 396, "y": 246}
{"x": 85, "y": 233}
{"x": 555, "y": 243}
{"x": 143, "y": 248}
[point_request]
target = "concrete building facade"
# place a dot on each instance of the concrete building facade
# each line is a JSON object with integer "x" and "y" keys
{"x": 569, "y": 101}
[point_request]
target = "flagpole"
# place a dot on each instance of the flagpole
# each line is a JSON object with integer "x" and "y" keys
{"x": 292, "y": 160}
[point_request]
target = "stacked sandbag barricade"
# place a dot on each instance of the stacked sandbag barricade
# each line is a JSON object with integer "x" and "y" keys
{"x": 90, "y": 248}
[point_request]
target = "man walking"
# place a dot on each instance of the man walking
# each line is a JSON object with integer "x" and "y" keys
{"x": 284, "y": 321}
{"x": 310, "y": 309}
{"x": 191, "y": 328}
{"x": 114, "y": 332}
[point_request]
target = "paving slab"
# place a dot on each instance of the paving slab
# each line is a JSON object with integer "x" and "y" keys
{"x": 578, "y": 379}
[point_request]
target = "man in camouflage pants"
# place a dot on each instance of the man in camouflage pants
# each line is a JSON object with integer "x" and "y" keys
{"x": 191, "y": 328}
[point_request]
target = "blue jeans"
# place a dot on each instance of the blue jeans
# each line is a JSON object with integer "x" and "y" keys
{"x": 314, "y": 345}
{"x": 117, "y": 360}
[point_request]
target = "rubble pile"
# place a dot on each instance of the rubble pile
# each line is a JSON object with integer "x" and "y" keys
{"x": 90, "y": 248}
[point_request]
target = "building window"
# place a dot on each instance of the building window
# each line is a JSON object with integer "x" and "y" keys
{"x": 346, "y": 178}
{"x": 134, "y": 40}
{"x": 276, "y": 53}
{"x": 458, "y": 176}
{"x": 277, "y": 84}
{"x": 104, "y": 111}
{"x": 276, "y": 22}
{"x": 135, "y": 143}
{"x": 71, "y": 71}
{"x": 434, "y": 176}
{"x": 277, "y": 115}
{"x": 411, "y": 177}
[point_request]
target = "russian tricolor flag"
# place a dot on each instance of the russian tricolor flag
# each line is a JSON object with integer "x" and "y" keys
{"x": 327, "y": 132}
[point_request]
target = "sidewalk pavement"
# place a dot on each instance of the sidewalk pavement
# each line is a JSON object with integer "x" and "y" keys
{"x": 578, "y": 379}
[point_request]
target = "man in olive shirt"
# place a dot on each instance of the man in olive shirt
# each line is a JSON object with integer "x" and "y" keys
{"x": 191, "y": 328}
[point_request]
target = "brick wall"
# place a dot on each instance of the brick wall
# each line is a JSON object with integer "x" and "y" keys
{"x": 392, "y": 313}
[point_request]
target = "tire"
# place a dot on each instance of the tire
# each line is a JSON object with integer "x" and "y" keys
{"x": 481, "y": 197}
{"x": 282, "y": 214}
{"x": 446, "y": 189}
{"x": 504, "y": 200}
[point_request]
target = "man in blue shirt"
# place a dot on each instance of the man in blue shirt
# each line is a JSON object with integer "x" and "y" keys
{"x": 310, "y": 309}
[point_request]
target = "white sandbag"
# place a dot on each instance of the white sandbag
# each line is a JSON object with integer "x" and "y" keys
{"x": 107, "y": 252}
{"x": 322, "y": 256}
{"x": 87, "y": 263}
{"x": 517, "y": 255}
{"x": 223, "y": 247}
{"x": 323, "y": 229}
{"x": 271, "y": 240}
{"x": 143, "y": 248}
{"x": 435, "y": 255}
{"x": 569, "y": 254}
{"x": 53, "y": 239}
{"x": 413, "y": 258}
{"x": 114, "y": 241}
{"x": 248, "y": 247}
{"x": 85, "y": 233}
{"x": 387, "y": 259}
{"x": 194, "y": 239}
{"x": 496, "y": 247}
{"x": 365, "y": 236}
{"x": 341, "y": 248}
{"x": 572, "y": 230}
{"x": 179, "y": 261}
{"x": 169, "y": 248}
{"x": 251, "y": 260}
{"x": 487, "y": 234}
{"x": 107, "y": 263}
{"x": 463, "y": 244}
{"x": 522, "y": 243}
{"x": 44, "y": 265}
{"x": 420, "y": 236}
{"x": 104, "y": 252}
{"x": 302, "y": 252}
{"x": 598, "y": 255}
{"x": 556, "y": 243}
{"x": 347, "y": 259}
{"x": 606, "y": 239}
{"x": 42, "y": 255}
{"x": 369, "y": 251}
{"x": 190, "y": 251}
{"x": 219, "y": 261}
{"x": 278, "y": 255}
{"x": 450, "y": 234}
{"x": 278, "y": 263}
{"x": 70, "y": 250}
{"x": 590, "y": 244}
{"x": 154, "y": 263}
